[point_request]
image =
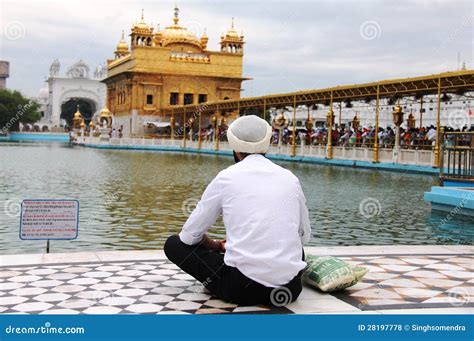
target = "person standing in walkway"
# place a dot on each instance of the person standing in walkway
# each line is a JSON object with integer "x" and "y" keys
{"x": 266, "y": 222}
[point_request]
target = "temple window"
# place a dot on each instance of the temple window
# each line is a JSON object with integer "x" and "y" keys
{"x": 174, "y": 98}
{"x": 149, "y": 99}
{"x": 202, "y": 98}
{"x": 188, "y": 99}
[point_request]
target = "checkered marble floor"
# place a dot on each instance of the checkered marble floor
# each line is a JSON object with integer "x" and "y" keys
{"x": 127, "y": 284}
{"x": 143, "y": 287}
{"x": 404, "y": 282}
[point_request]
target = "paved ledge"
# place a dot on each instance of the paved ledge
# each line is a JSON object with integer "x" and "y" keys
{"x": 406, "y": 168}
{"x": 78, "y": 257}
{"x": 402, "y": 280}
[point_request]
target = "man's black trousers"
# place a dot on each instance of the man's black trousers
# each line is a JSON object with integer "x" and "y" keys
{"x": 226, "y": 282}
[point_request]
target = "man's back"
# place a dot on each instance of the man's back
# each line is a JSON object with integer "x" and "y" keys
{"x": 262, "y": 209}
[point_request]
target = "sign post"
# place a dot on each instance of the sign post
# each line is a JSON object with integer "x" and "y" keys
{"x": 49, "y": 219}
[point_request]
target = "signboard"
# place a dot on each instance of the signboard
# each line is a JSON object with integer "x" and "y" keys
{"x": 44, "y": 219}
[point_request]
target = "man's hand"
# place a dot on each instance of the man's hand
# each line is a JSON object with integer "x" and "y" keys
{"x": 209, "y": 243}
{"x": 214, "y": 245}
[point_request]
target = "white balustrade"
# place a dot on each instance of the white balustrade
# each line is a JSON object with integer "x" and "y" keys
{"x": 406, "y": 156}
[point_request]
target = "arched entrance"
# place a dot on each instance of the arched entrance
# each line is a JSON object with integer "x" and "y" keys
{"x": 87, "y": 107}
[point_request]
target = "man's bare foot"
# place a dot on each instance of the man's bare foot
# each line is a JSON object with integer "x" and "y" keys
{"x": 221, "y": 245}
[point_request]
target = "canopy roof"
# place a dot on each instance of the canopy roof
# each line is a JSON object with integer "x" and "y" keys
{"x": 450, "y": 82}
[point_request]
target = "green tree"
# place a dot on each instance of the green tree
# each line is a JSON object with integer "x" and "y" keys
{"x": 16, "y": 109}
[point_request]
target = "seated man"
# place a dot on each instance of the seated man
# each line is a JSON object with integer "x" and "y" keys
{"x": 266, "y": 221}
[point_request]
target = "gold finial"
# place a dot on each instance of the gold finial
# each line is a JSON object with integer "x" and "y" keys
{"x": 232, "y": 26}
{"x": 77, "y": 114}
{"x": 123, "y": 34}
{"x": 176, "y": 14}
{"x": 143, "y": 16}
{"x": 77, "y": 118}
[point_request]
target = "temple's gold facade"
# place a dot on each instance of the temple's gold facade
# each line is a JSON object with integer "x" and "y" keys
{"x": 168, "y": 68}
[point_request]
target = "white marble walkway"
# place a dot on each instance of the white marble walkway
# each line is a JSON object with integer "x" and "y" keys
{"x": 401, "y": 280}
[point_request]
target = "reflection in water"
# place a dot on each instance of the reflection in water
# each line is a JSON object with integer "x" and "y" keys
{"x": 134, "y": 200}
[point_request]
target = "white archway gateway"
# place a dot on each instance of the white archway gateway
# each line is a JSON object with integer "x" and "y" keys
{"x": 73, "y": 97}
{"x": 75, "y": 84}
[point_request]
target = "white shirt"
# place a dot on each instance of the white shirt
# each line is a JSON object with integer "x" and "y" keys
{"x": 431, "y": 134}
{"x": 265, "y": 217}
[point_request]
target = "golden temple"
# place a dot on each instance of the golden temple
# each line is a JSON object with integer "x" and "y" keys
{"x": 168, "y": 68}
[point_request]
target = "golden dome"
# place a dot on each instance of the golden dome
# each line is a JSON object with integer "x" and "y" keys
{"x": 141, "y": 25}
{"x": 178, "y": 34}
{"x": 105, "y": 113}
{"x": 231, "y": 32}
{"x": 122, "y": 46}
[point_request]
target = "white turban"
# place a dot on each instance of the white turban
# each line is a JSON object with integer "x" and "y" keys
{"x": 249, "y": 134}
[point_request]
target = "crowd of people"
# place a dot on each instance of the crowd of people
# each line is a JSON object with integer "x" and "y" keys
{"x": 208, "y": 133}
{"x": 421, "y": 138}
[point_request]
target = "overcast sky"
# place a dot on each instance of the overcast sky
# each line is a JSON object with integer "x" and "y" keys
{"x": 290, "y": 45}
